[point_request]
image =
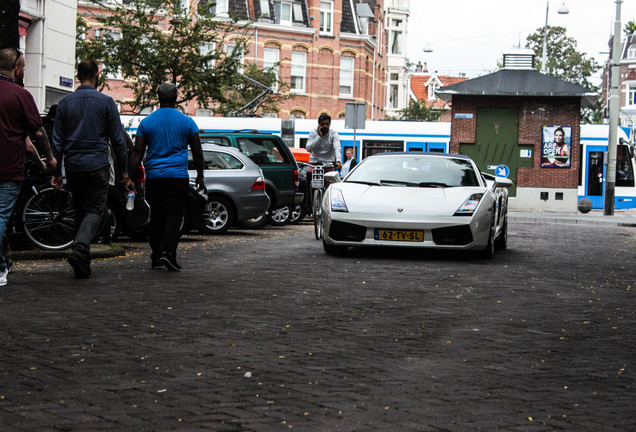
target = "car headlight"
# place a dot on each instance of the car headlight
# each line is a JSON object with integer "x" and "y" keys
{"x": 337, "y": 201}
{"x": 469, "y": 206}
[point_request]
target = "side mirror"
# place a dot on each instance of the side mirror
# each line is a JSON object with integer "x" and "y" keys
{"x": 503, "y": 182}
{"x": 333, "y": 176}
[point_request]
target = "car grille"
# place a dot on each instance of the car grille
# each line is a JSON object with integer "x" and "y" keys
{"x": 343, "y": 231}
{"x": 456, "y": 235}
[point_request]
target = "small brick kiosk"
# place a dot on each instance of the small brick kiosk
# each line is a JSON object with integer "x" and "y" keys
{"x": 527, "y": 121}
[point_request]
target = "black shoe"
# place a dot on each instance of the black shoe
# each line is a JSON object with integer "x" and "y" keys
{"x": 82, "y": 268}
{"x": 156, "y": 264}
{"x": 170, "y": 263}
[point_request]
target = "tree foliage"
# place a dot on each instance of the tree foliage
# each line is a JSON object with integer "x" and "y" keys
{"x": 564, "y": 61}
{"x": 419, "y": 110}
{"x": 149, "y": 42}
{"x": 9, "y": 32}
{"x": 630, "y": 28}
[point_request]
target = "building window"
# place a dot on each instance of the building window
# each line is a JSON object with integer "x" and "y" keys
{"x": 265, "y": 8}
{"x": 346, "y": 76}
{"x": 241, "y": 59}
{"x": 297, "y": 114}
{"x": 631, "y": 52}
{"x": 393, "y": 96}
{"x": 631, "y": 95}
{"x": 285, "y": 13}
{"x": 220, "y": 8}
{"x": 297, "y": 12}
{"x": 207, "y": 49}
{"x": 433, "y": 86}
{"x": 298, "y": 71}
{"x": 326, "y": 17}
{"x": 396, "y": 36}
{"x": 395, "y": 77}
{"x": 270, "y": 61}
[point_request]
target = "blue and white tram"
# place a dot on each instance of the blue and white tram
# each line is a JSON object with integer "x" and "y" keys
{"x": 592, "y": 171}
{"x": 389, "y": 136}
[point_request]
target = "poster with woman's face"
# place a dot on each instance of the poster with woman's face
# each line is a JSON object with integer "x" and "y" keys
{"x": 556, "y": 145}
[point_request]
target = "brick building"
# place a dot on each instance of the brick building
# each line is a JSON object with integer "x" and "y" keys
{"x": 511, "y": 117}
{"x": 330, "y": 51}
{"x": 627, "y": 81}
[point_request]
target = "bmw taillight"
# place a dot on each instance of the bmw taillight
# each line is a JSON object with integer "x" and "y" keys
{"x": 296, "y": 180}
{"x": 258, "y": 184}
{"x": 141, "y": 174}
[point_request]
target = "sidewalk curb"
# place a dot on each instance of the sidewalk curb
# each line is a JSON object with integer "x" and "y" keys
{"x": 97, "y": 251}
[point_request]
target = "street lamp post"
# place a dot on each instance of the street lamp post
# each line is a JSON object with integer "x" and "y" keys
{"x": 610, "y": 178}
{"x": 563, "y": 10}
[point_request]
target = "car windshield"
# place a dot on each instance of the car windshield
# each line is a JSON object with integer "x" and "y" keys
{"x": 415, "y": 171}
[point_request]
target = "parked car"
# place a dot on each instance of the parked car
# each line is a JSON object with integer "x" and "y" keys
{"x": 415, "y": 199}
{"x": 235, "y": 187}
{"x": 279, "y": 168}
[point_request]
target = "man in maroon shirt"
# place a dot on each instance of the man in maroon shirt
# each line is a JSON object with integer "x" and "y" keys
{"x": 19, "y": 115}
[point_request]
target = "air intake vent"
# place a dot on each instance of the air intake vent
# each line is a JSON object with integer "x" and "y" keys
{"x": 519, "y": 60}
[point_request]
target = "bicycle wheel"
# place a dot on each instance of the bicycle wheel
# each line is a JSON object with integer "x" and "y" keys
{"x": 318, "y": 213}
{"x": 48, "y": 218}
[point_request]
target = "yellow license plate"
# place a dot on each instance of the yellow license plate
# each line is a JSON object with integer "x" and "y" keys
{"x": 399, "y": 235}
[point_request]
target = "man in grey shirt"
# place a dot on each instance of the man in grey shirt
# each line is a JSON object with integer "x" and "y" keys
{"x": 324, "y": 146}
{"x": 86, "y": 123}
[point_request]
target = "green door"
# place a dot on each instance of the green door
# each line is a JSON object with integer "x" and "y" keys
{"x": 497, "y": 143}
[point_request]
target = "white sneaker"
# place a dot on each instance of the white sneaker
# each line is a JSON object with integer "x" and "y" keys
{"x": 3, "y": 277}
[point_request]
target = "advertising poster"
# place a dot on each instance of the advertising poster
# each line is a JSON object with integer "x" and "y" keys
{"x": 556, "y": 145}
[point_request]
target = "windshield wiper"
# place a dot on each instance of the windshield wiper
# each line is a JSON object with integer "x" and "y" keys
{"x": 397, "y": 182}
{"x": 363, "y": 182}
{"x": 433, "y": 184}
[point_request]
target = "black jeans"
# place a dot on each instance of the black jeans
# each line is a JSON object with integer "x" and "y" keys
{"x": 167, "y": 198}
{"x": 90, "y": 191}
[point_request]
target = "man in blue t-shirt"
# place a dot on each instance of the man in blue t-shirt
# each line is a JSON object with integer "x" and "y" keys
{"x": 166, "y": 134}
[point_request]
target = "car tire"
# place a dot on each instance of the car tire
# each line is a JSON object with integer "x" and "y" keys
{"x": 280, "y": 216}
{"x": 297, "y": 214}
{"x": 254, "y": 223}
{"x": 489, "y": 251}
{"x": 502, "y": 239}
{"x": 334, "y": 250}
{"x": 222, "y": 216}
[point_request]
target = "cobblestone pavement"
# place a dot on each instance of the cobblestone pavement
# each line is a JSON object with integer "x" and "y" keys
{"x": 264, "y": 332}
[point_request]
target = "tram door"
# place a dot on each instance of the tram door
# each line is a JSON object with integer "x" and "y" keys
{"x": 594, "y": 185}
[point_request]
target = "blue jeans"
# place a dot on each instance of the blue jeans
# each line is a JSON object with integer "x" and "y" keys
{"x": 9, "y": 192}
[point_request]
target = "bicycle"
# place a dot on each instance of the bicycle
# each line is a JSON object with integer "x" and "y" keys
{"x": 318, "y": 187}
{"x": 44, "y": 214}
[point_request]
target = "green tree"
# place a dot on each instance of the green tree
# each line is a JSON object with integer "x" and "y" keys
{"x": 418, "y": 110}
{"x": 9, "y": 12}
{"x": 564, "y": 61}
{"x": 630, "y": 28}
{"x": 149, "y": 42}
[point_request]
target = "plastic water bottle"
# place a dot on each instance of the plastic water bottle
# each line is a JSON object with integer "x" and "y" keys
{"x": 130, "y": 204}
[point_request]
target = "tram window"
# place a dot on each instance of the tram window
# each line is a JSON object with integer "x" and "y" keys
{"x": 624, "y": 167}
{"x": 436, "y": 150}
{"x": 414, "y": 149}
{"x": 374, "y": 147}
{"x": 303, "y": 142}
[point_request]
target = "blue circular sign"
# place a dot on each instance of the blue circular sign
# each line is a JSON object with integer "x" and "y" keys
{"x": 502, "y": 171}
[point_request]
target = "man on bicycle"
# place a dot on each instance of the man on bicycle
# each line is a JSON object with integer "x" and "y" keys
{"x": 324, "y": 146}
